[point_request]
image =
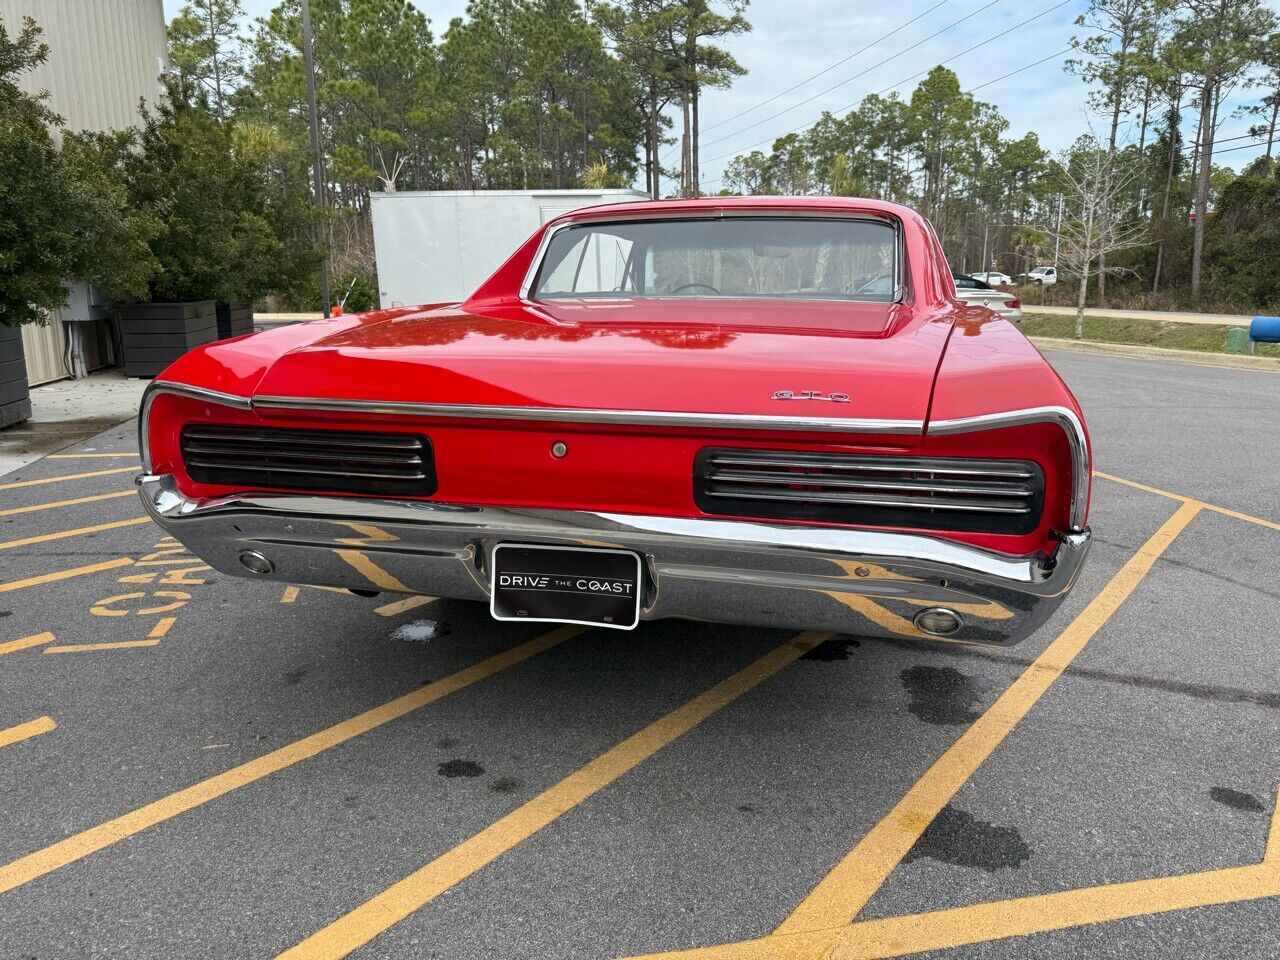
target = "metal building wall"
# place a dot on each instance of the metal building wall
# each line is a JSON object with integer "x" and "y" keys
{"x": 104, "y": 55}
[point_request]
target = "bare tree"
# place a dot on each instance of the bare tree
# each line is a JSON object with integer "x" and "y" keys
{"x": 1100, "y": 214}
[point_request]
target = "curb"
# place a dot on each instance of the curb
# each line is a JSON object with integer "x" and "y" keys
{"x": 1133, "y": 351}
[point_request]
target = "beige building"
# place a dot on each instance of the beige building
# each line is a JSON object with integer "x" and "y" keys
{"x": 104, "y": 56}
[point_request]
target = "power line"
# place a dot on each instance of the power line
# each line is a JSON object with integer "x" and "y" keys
{"x": 856, "y": 53}
{"x": 988, "y": 83}
{"x": 1045, "y": 12}
{"x": 836, "y": 86}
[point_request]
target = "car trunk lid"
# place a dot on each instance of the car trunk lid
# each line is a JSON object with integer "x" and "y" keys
{"x": 735, "y": 357}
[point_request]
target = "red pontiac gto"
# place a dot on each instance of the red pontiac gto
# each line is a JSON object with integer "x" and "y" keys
{"x": 768, "y": 411}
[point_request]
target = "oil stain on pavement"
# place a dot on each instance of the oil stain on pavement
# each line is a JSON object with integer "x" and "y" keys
{"x": 962, "y": 840}
{"x": 943, "y": 695}
{"x": 459, "y": 768}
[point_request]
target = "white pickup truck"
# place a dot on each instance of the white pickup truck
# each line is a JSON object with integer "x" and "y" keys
{"x": 1045, "y": 276}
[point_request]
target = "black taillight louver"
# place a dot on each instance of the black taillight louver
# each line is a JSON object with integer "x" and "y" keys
{"x": 332, "y": 460}
{"x": 938, "y": 493}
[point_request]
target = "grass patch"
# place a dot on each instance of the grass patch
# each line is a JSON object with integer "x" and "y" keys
{"x": 1206, "y": 338}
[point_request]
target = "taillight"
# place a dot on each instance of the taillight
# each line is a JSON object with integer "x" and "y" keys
{"x": 1013, "y": 304}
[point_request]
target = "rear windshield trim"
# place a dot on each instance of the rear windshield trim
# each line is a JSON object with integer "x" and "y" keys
{"x": 532, "y": 275}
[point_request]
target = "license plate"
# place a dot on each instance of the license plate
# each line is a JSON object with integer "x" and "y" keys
{"x": 585, "y": 585}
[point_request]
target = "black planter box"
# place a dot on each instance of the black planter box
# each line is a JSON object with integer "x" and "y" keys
{"x": 153, "y": 335}
{"x": 234, "y": 319}
{"x": 15, "y": 395}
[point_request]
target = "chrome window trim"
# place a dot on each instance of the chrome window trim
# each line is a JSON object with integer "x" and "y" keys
{"x": 1063, "y": 418}
{"x": 899, "y": 266}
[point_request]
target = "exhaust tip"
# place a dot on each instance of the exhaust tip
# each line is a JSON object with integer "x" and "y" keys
{"x": 938, "y": 621}
{"x": 255, "y": 562}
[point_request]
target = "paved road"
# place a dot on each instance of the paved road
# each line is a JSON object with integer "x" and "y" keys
{"x": 1169, "y": 316}
{"x": 196, "y": 766}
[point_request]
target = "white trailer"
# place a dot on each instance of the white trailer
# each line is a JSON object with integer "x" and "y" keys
{"x": 434, "y": 246}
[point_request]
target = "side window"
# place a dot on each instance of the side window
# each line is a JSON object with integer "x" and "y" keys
{"x": 595, "y": 263}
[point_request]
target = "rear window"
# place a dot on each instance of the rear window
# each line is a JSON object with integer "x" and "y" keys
{"x": 765, "y": 257}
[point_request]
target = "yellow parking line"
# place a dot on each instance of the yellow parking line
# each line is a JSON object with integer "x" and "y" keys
{"x": 422, "y": 886}
{"x": 90, "y": 456}
{"x": 156, "y": 634}
{"x": 26, "y": 643}
{"x": 1272, "y": 854}
{"x": 983, "y": 922}
{"x": 35, "y": 507}
{"x": 96, "y": 528}
{"x": 80, "y": 845}
{"x": 25, "y": 731}
{"x": 69, "y": 476}
{"x": 64, "y": 574}
{"x": 1225, "y": 511}
{"x": 838, "y": 898}
{"x": 397, "y": 607}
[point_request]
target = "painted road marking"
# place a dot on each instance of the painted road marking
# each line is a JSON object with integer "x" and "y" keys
{"x": 156, "y": 634}
{"x": 25, "y": 731}
{"x": 812, "y": 928}
{"x": 79, "y": 531}
{"x": 80, "y": 845}
{"x": 34, "y": 507}
{"x": 119, "y": 606}
{"x": 1225, "y": 511}
{"x": 70, "y": 476}
{"x": 26, "y": 643}
{"x": 397, "y": 607}
{"x": 838, "y": 898}
{"x": 90, "y": 456}
{"x": 422, "y": 886}
{"x": 65, "y": 574}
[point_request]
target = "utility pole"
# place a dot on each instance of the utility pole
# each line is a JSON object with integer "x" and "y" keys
{"x": 317, "y": 162}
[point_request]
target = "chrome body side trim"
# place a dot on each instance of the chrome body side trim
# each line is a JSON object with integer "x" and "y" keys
{"x": 156, "y": 387}
{"x": 764, "y": 574}
{"x": 648, "y": 418}
{"x": 1081, "y": 468}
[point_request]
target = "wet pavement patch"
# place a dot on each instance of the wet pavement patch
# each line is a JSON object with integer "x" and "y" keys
{"x": 962, "y": 840}
{"x": 943, "y": 695}
{"x": 837, "y": 648}
{"x": 459, "y": 768}
{"x": 505, "y": 784}
{"x": 1236, "y": 799}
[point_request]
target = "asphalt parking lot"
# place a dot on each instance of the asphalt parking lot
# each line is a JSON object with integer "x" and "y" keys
{"x": 195, "y": 766}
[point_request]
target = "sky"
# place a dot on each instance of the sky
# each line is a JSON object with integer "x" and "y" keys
{"x": 889, "y": 46}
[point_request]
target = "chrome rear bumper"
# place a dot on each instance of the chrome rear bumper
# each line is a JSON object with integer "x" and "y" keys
{"x": 862, "y": 582}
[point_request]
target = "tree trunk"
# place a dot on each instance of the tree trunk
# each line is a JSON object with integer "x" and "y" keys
{"x": 1174, "y": 114}
{"x": 1271, "y": 132}
{"x": 655, "y": 167}
{"x": 217, "y": 70}
{"x": 1105, "y": 215}
{"x": 695, "y": 180}
{"x": 1084, "y": 286}
{"x": 1208, "y": 107}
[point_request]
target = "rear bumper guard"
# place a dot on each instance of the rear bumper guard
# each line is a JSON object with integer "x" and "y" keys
{"x": 863, "y": 582}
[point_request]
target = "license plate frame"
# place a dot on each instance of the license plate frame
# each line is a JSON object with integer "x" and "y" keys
{"x": 557, "y": 585}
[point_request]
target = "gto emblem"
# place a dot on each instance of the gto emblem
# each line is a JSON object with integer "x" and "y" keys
{"x": 811, "y": 395}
